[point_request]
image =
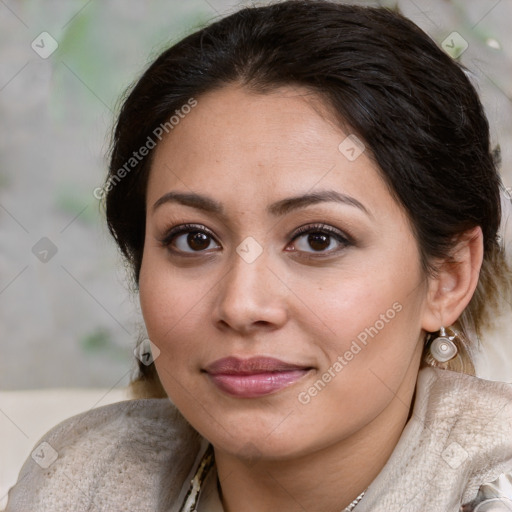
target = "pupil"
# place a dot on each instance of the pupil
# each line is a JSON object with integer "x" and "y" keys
{"x": 318, "y": 241}
{"x": 198, "y": 240}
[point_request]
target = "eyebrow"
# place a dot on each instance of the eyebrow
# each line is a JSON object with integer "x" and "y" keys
{"x": 276, "y": 209}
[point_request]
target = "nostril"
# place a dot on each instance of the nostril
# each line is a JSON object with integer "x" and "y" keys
{"x": 262, "y": 323}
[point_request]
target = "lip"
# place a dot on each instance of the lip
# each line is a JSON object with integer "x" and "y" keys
{"x": 254, "y": 377}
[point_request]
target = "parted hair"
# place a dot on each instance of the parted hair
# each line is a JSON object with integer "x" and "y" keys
{"x": 383, "y": 79}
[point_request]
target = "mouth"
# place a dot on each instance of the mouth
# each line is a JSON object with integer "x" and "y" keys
{"x": 254, "y": 377}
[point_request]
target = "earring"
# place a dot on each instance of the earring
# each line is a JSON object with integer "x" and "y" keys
{"x": 442, "y": 348}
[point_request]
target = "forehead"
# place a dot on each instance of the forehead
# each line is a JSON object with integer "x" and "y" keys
{"x": 265, "y": 126}
{"x": 259, "y": 148}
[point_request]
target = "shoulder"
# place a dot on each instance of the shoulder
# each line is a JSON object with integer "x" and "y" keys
{"x": 115, "y": 456}
{"x": 466, "y": 400}
{"x": 457, "y": 440}
{"x": 478, "y": 413}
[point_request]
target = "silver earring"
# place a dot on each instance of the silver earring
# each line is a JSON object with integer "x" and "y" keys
{"x": 442, "y": 348}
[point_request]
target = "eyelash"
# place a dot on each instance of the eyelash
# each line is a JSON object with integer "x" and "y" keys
{"x": 344, "y": 240}
{"x": 172, "y": 233}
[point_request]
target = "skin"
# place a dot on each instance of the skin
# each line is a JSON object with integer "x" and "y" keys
{"x": 247, "y": 151}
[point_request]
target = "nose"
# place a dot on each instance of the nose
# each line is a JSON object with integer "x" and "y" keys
{"x": 250, "y": 297}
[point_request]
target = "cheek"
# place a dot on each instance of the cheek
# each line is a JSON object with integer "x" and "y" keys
{"x": 371, "y": 324}
{"x": 368, "y": 352}
{"x": 354, "y": 306}
{"x": 170, "y": 307}
{"x": 169, "y": 302}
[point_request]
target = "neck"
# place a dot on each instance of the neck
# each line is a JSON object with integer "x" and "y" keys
{"x": 340, "y": 471}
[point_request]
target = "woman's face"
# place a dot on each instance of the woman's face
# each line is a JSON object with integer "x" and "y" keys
{"x": 272, "y": 340}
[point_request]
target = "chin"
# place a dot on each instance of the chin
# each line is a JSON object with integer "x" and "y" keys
{"x": 252, "y": 449}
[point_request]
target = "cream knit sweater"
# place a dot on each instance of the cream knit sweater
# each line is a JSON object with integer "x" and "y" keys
{"x": 137, "y": 455}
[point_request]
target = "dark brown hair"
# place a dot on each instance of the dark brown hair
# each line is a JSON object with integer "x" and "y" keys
{"x": 380, "y": 75}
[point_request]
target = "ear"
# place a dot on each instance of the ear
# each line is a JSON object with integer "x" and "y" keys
{"x": 451, "y": 290}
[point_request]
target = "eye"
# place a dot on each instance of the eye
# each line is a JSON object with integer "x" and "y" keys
{"x": 189, "y": 238}
{"x": 319, "y": 238}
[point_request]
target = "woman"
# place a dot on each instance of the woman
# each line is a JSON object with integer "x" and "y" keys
{"x": 307, "y": 198}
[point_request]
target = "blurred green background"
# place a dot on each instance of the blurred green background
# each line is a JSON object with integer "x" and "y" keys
{"x": 67, "y": 318}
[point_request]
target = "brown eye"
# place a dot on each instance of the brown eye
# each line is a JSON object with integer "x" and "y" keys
{"x": 198, "y": 241}
{"x": 189, "y": 239}
{"x": 319, "y": 241}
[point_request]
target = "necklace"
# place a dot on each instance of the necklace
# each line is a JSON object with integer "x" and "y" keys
{"x": 207, "y": 461}
{"x": 354, "y": 503}
{"x": 192, "y": 497}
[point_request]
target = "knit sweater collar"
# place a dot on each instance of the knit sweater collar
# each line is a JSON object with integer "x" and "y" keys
{"x": 458, "y": 437}
{"x": 137, "y": 454}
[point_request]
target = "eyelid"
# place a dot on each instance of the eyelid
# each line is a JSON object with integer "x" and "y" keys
{"x": 342, "y": 237}
{"x": 321, "y": 227}
{"x": 179, "y": 229}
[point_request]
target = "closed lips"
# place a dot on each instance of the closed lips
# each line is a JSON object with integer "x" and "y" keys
{"x": 254, "y": 377}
